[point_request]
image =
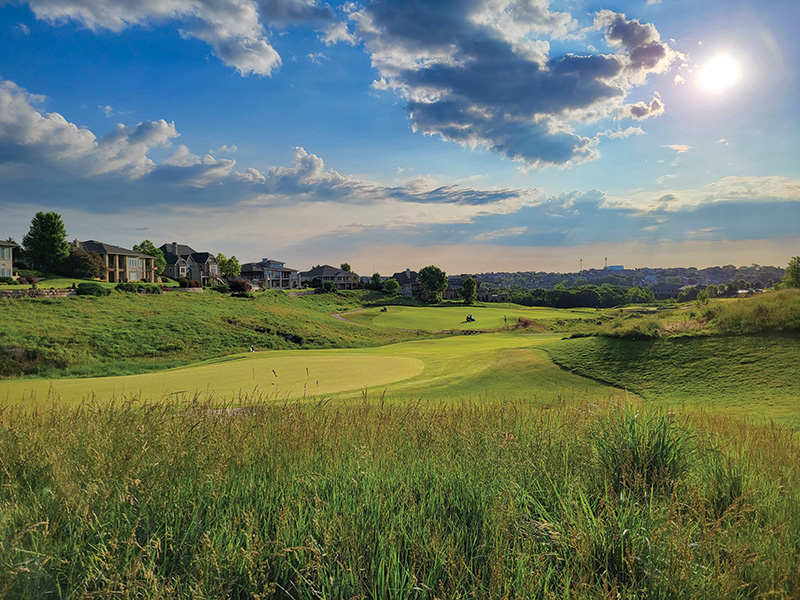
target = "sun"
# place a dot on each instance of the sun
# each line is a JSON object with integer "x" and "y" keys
{"x": 719, "y": 73}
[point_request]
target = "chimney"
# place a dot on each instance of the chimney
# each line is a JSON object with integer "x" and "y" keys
{"x": 175, "y": 248}
{"x": 77, "y": 244}
{"x": 408, "y": 273}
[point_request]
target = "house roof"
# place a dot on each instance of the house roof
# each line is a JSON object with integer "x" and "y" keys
{"x": 260, "y": 267}
{"x": 8, "y": 244}
{"x": 325, "y": 271}
{"x": 103, "y": 248}
{"x": 183, "y": 250}
{"x": 172, "y": 259}
{"x": 405, "y": 277}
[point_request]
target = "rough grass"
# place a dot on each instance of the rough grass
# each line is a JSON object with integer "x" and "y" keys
{"x": 132, "y": 333}
{"x": 756, "y": 376}
{"x": 382, "y": 501}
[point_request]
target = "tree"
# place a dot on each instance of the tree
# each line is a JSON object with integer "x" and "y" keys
{"x": 791, "y": 277}
{"x": 376, "y": 283}
{"x": 433, "y": 282}
{"x": 229, "y": 267}
{"x": 390, "y": 286}
{"x": 45, "y": 243}
{"x": 83, "y": 265}
{"x": 345, "y": 267}
{"x": 148, "y": 247}
{"x": 469, "y": 290}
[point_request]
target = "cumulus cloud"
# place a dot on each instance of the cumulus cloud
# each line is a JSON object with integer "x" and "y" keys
{"x": 235, "y": 29}
{"x": 481, "y": 73}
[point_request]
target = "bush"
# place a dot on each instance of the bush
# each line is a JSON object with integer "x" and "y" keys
{"x": 90, "y": 288}
{"x": 136, "y": 287}
{"x": 8, "y": 280}
{"x": 240, "y": 288}
{"x": 29, "y": 273}
{"x": 642, "y": 452}
{"x": 183, "y": 282}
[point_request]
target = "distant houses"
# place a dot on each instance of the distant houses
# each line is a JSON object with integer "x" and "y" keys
{"x": 409, "y": 286}
{"x": 122, "y": 265}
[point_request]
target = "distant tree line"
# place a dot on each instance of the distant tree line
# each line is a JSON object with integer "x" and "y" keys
{"x": 591, "y": 296}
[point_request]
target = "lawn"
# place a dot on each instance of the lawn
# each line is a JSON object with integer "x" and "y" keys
{"x": 449, "y": 318}
{"x": 484, "y": 368}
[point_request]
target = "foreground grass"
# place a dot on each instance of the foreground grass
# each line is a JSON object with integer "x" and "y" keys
{"x": 755, "y": 376}
{"x": 132, "y": 333}
{"x": 380, "y": 501}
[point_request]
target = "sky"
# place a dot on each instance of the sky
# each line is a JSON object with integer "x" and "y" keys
{"x": 475, "y": 135}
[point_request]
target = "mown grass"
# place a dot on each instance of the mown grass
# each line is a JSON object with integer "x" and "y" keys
{"x": 132, "y": 333}
{"x": 487, "y": 368}
{"x": 453, "y": 318}
{"x": 754, "y": 376}
{"x": 394, "y": 501}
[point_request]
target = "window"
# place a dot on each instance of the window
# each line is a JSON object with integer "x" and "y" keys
{"x": 5, "y": 272}
{"x": 5, "y": 253}
{"x": 132, "y": 262}
{"x": 134, "y": 276}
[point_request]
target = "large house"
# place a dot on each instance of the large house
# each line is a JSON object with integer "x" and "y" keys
{"x": 342, "y": 280}
{"x": 185, "y": 262}
{"x": 122, "y": 265}
{"x": 7, "y": 258}
{"x": 271, "y": 274}
{"x": 409, "y": 286}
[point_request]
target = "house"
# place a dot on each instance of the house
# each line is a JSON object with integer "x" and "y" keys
{"x": 185, "y": 262}
{"x": 122, "y": 265}
{"x": 409, "y": 286}
{"x": 342, "y": 280}
{"x": 271, "y": 274}
{"x": 7, "y": 258}
{"x": 664, "y": 291}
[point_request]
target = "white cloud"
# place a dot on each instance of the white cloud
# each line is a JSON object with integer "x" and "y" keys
{"x": 500, "y": 233}
{"x": 482, "y": 73}
{"x": 235, "y": 29}
{"x": 107, "y": 110}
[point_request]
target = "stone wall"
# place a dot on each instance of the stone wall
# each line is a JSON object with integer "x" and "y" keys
{"x": 40, "y": 293}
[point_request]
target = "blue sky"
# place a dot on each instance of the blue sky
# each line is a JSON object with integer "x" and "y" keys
{"x": 477, "y": 135}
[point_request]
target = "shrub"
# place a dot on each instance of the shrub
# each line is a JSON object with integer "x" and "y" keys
{"x": 183, "y": 282}
{"x": 240, "y": 288}
{"x": 29, "y": 273}
{"x": 194, "y": 284}
{"x": 91, "y": 288}
{"x": 130, "y": 286}
{"x": 8, "y": 280}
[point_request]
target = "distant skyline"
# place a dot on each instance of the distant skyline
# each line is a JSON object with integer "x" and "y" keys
{"x": 478, "y": 135}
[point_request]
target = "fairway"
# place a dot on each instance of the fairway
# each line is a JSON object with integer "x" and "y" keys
{"x": 463, "y": 368}
{"x": 449, "y": 318}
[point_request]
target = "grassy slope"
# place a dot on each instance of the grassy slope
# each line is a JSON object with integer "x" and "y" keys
{"x": 131, "y": 333}
{"x": 756, "y": 376}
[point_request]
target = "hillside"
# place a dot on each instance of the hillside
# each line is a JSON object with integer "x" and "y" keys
{"x": 132, "y": 333}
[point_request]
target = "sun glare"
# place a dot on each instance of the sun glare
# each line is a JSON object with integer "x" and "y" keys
{"x": 719, "y": 73}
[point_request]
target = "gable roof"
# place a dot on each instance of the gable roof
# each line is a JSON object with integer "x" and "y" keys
{"x": 406, "y": 277}
{"x": 183, "y": 250}
{"x": 325, "y": 271}
{"x": 103, "y": 248}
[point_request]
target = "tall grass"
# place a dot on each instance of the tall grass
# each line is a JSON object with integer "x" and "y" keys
{"x": 376, "y": 501}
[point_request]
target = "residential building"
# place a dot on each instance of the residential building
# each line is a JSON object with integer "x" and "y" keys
{"x": 7, "y": 258}
{"x": 409, "y": 286}
{"x": 342, "y": 280}
{"x": 271, "y": 274}
{"x": 185, "y": 262}
{"x": 664, "y": 291}
{"x": 122, "y": 265}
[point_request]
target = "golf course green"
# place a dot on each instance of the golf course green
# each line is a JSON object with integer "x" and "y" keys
{"x": 454, "y": 318}
{"x": 463, "y": 368}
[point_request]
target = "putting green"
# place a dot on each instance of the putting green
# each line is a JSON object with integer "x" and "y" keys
{"x": 444, "y": 318}
{"x": 273, "y": 374}
{"x": 489, "y": 367}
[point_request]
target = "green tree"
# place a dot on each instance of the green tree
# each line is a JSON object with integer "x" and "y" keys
{"x": 377, "y": 282}
{"x": 83, "y": 265}
{"x": 45, "y": 243}
{"x": 390, "y": 286}
{"x": 345, "y": 267}
{"x": 229, "y": 267}
{"x": 791, "y": 277}
{"x": 433, "y": 282}
{"x": 469, "y": 291}
{"x": 149, "y": 248}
